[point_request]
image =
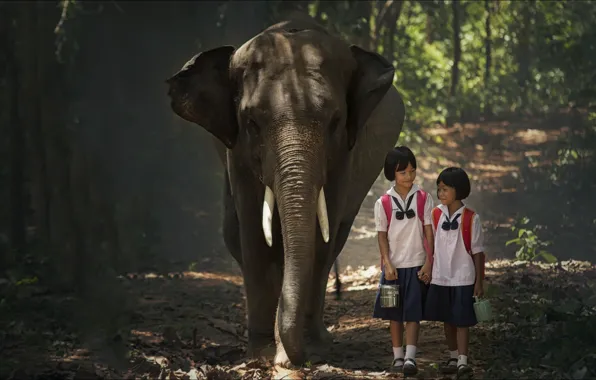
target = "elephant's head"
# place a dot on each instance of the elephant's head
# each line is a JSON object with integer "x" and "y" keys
{"x": 291, "y": 102}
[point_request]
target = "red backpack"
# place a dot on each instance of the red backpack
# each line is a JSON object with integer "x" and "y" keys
{"x": 420, "y": 202}
{"x": 466, "y": 230}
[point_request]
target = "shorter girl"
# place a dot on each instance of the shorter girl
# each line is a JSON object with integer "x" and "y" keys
{"x": 404, "y": 259}
{"x": 457, "y": 275}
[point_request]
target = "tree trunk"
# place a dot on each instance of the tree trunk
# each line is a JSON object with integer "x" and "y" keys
{"x": 429, "y": 28}
{"x": 456, "y": 47}
{"x": 390, "y": 29}
{"x": 18, "y": 227}
{"x": 487, "y": 69}
{"x": 363, "y": 11}
{"x": 381, "y": 12}
{"x": 17, "y": 144}
{"x": 42, "y": 109}
{"x": 28, "y": 101}
{"x": 523, "y": 50}
{"x": 368, "y": 13}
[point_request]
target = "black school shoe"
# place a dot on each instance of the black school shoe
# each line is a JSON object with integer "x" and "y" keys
{"x": 450, "y": 367}
{"x": 410, "y": 367}
{"x": 397, "y": 365}
{"x": 464, "y": 371}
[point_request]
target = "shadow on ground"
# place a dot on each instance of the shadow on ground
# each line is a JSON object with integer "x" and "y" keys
{"x": 193, "y": 325}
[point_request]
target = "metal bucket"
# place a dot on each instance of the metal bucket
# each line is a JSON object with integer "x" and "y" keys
{"x": 389, "y": 295}
{"x": 483, "y": 310}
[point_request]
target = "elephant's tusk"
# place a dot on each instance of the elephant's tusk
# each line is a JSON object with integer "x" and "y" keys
{"x": 322, "y": 215}
{"x": 268, "y": 206}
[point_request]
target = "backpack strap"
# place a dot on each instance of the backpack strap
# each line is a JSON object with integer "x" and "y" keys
{"x": 386, "y": 202}
{"x": 420, "y": 202}
{"x": 466, "y": 230}
{"x": 436, "y": 214}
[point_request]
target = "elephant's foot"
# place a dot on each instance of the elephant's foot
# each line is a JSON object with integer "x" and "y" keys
{"x": 260, "y": 345}
{"x": 318, "y": 333}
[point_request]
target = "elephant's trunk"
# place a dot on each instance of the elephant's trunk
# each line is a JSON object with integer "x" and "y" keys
{"x": 298, "y": 181}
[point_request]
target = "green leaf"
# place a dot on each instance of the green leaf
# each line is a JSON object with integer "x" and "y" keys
{"x": 517, "y": 240}
{"x": 548, "y": 257}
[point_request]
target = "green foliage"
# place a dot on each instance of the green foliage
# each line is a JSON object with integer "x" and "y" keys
{"x": 560, "y": 57}
{"x": 530, "y": 245}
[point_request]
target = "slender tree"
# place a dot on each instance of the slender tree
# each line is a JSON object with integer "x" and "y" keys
{"x": 488, "y": 53}
{"x": 455, "y": 6}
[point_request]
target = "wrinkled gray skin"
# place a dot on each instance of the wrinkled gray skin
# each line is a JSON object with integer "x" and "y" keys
{"x": 297, "y": 109}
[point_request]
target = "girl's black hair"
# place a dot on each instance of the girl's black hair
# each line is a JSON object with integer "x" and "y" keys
{"x": 398, "y": 159}
{"x": 458, "y": 179}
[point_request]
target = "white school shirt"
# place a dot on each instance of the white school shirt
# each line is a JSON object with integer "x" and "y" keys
{"x": 406, "y": 249}
{"x": 452, "y": 265}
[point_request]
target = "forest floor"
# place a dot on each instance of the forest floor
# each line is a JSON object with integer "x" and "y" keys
{"x": 191, "y": 324}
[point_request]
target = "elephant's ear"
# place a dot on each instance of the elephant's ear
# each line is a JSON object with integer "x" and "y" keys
{"x": 370, "y": 82}
{"x": 202, "y": 93}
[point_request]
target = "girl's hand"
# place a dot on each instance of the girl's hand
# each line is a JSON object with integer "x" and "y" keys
{"x": 390, "y": 272}
{"x": 478, "y": 289}
{"x": 425, "y": 273}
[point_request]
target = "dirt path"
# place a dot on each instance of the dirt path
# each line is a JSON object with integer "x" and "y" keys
{"x": 192, "y": 325}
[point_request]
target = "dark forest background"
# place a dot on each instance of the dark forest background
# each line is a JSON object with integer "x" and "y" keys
{"x": 99, "y": 178}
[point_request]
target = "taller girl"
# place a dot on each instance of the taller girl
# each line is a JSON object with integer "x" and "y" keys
{"x": 403, "y": 219}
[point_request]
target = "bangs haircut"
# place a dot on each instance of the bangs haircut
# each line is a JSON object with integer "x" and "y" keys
{"x": 458, "y": 179}
{"x": 397, "y": 160}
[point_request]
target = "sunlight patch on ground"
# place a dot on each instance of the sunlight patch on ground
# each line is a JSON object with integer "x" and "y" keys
{"x": 508, "y": 156}
{"x": 488, "y": 175}
{"x": 533, "y": 153}
{"x": 77, "y": 355}
{"x": 442, "y": 162}
{"x": 493, "y": 167}
{"x": 236, "y": 280}
{"x": 363, "y": 323}
{"x": 360, "y": 287}
{"x": 363, "y": 232}
{"x": 532, "y": 136}
{"x": 362, "y": 278}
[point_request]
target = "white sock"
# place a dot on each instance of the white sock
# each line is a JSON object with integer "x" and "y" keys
{"x": 462, "y": 359}
{"x": 410, "y": 351}
{"x": 398, "y": 352}
{"x": 453, "y": 354}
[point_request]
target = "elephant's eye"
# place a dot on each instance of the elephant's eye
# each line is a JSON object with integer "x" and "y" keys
{"x": 252, "y": 128}
{"x": 334, "y": 123}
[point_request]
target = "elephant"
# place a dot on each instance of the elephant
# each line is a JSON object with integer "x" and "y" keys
{"x": 302, "y": 120}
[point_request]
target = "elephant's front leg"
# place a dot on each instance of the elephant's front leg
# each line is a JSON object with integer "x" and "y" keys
{"x": 316, "y": 326}
{"x": 262, "y": 271}
{"x": 262, "y": 283}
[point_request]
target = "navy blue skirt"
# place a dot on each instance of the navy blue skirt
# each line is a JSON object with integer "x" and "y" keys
{"x": 451, "y": 304}
{"x": 412, "y": 293}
